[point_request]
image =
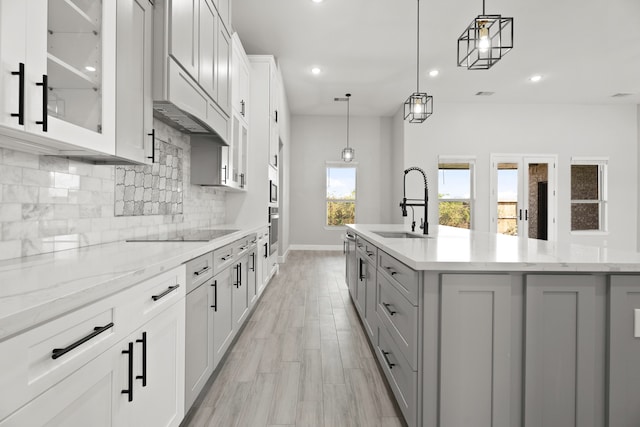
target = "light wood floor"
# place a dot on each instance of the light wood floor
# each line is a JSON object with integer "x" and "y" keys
{"x": 302, "y": 359}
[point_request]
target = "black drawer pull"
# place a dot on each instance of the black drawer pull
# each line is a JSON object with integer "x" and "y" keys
{"x": 391, "y": 271}
{"x": 165, "y": 293}
{"x": 45, "y": 101}
{"x": 386, "y": 359}
{"x": 143, "y": 377}
{"x": 199, "y": 272}
{"x": 20, "y": 74}
{"x": 129, "y": 390}
{"x": 57, "y": 352}
{"x": 266, "y": 250}
{"x": 387, "y": 305}
{"x": 370, "y": 253}
{"x": 215, "y": 295}
{"x": 226, "y": 257}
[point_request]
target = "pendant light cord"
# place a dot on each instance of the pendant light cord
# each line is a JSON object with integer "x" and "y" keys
{"x": 418, "y": 51}
{"x": 348, "y": 104}
{"x": 483, "y": 8}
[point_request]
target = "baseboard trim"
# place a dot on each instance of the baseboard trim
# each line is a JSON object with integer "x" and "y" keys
{"x": 282, "y": 259}
{"x": 316, "y": 247}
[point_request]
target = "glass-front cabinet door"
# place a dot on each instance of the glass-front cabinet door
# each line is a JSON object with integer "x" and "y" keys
{"x": 72, "y": 95}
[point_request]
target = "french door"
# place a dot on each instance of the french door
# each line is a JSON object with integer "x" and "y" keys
{"x": 523, "y": 195}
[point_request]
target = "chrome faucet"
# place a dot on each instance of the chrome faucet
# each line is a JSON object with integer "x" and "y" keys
{"x": 424, "y": 224}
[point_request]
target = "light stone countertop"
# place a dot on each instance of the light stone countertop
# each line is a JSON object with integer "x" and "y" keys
{"x": 455, "y": 249}
{"x": 39, "y": 288}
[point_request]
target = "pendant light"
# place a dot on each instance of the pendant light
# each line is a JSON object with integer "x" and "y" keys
{"x": 348, "y": 153}
{"x": 485, "y": 41}
{"x": 419, "y": 105}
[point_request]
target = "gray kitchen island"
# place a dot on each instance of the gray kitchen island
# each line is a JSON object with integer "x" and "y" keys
{"x": 480, "y": 329}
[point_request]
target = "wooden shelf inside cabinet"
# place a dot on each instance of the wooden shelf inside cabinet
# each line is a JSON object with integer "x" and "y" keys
{"x": 65, "y": 76}
{"x": 67, "y": 17}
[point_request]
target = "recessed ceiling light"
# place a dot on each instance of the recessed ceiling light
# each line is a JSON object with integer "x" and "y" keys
{"x": 535, "y": 78}
{"x": 317, "y": 1}
{"x": 315, "y": 71}
{"x": 484, "y": 93}
{"x": 434, "y": 73}
{"x": 90, "y": 68}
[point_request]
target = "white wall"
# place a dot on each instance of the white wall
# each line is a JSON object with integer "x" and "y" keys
{"x": 565, "y": 130}
{"x": 317, "y": 139}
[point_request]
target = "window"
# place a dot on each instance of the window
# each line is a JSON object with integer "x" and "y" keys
{"x": 341, "y": 195}
{"x": 588, "y": 194}
{"x": 455, "y": 191}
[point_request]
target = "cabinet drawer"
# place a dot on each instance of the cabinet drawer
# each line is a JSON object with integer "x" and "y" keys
{"x": 28, "y": 366}
{"x": 223, "y": 257}
{"x": 155, "y": 295}
{"x": 404, "y": 277}
{"x": 400, "y": 318}
{"x": 242, "y": 245}
{"x": 402, "y": 379}
{"x": 367, "y": 249}
{"x": 199, "y": 270}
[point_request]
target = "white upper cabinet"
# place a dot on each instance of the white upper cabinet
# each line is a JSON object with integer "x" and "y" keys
{"x": 59, "y": 82}
{"x": 191, "y": 66}
{"x": 240, "y": 79}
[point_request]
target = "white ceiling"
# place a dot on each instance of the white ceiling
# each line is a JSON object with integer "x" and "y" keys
{"x": 586, "y": 51}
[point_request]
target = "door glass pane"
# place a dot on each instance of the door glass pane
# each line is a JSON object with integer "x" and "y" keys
{"x": 508, "y": 198}
{"x": 537, "y": 209}
{"x": 74, "y": 62}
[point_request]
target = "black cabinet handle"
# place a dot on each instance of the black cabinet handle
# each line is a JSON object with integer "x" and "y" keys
{"x": 58, "y": 352}
{"x": 129, "y": 390}
{"x": 226, "y": 257}
{"x": 225, "y": 174}
{"x": 143, "y": 377}
{"x": 199, "y": 272}
{"x": 360, "y": 269}
{"x": 215, "y": 295}
{"x": 386, "y": 359}
{"x": 153, "y": 146}
{"x": 242, "y": 104}
{"x": 237, "y": 268}
{"x": 253, "y": 261}
{"x": 387, "y": 305}
{"x": 240, "y": 270}
{"x": 266, "y": 250}
{"x": 20, "y": 74}
{"x": 165, "y": 293}
{"x": 391, "y": 271}
{"x": 45, "y": 102}
{"x": 241, "y": 180}
{"x": 276, "y": 116}
{"x": 276, "y": 162}
{"x": 369, "y": 253}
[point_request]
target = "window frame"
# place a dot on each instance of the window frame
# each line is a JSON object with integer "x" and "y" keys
{"x": 342, "y": 165}
{"x": 603, "y": 194}
{"x": 471, "y": 161}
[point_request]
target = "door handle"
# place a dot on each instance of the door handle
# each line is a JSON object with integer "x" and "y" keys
{"x": 143, "y": 377}
{"x": 526, "y": 214}
{"x": 520, "y": 214}
{"x": 45, "y": 100}
{"x": 20, "y": 74}
{"x": 129, "y": 391}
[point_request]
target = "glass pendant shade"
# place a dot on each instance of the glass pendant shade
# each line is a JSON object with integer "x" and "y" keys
{"x": 485, "y": 41}
{"x": 418, "y": 107}
{"x": 348, "y": 154}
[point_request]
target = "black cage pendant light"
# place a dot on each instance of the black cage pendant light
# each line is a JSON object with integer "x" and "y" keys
{"x": 348, "y": 153}
{"x": 485, "y": 41}
{"x": 419, "y": 106}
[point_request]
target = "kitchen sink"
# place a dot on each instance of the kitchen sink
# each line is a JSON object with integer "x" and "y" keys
{"x": 399, "y": 235}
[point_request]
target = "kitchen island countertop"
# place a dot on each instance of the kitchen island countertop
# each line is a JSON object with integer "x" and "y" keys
{"x": 456, "y": 249}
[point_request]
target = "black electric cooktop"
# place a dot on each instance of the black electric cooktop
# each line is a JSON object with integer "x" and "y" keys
{"x": 185, "y": 236}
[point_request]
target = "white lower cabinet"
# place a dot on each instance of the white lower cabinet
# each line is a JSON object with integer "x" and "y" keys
{"x": 89, "y": 396}
{"x": 199, "y": 339}
{"x": 117, "y": 362}
{"x": 240, "y": 293}
{"x": 156, "y": 383}
{"x": 222, "y": 314}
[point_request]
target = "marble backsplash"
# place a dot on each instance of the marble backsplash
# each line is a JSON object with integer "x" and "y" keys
{"x": 49, "y": 203}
